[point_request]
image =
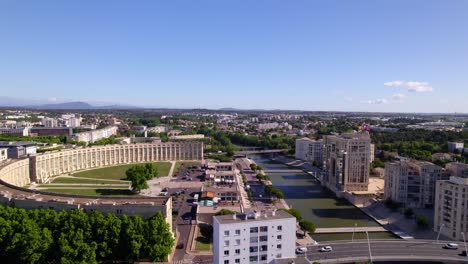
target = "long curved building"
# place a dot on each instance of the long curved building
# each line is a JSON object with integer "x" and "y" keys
{"x": 42, "y": 167}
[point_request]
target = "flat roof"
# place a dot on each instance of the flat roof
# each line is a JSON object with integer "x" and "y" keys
{"x": 250, "y": 217}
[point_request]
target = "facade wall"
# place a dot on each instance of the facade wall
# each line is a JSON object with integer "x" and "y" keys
{"x": 66, "y": 161}
{"x": 412, "y": 183}
{"x": 346, "y": 162}
{"x": 95, "y": 135}
{"x": 16, "y": 173}
{"x": 451, "y": 207}
{"x": 457, "y": 169}
{"x": 250, "y": 247}
{"x": 22, "y": 132}
{"x": 3, "y": 154}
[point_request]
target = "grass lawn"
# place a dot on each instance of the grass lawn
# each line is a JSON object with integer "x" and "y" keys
{"x": 118, "y": 172}
{"x": 202, "y": 244}
{"x": 91, "y": 181}
{"x": 94, "y": 192}
{"x": 187, "y": 163}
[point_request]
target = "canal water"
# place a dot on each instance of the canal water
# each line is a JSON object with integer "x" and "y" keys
{"x": 316, "y": 203}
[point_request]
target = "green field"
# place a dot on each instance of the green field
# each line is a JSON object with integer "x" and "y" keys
{"x": 86, "y": 181}
{"x": 202, "y": 244}
{"x": 118, "y": 172}
{"x": 94, "y": 192}
{"x": 186, "y": 163}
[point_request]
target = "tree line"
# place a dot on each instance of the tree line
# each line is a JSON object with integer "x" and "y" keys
{"x": 47, "y": 236}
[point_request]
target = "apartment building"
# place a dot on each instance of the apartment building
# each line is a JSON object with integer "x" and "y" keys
{"x": 412, "y": 183}
{"x": 253, "y": 237}
{"x": 16, "y": 150}
{"x": 346, "y": 162}
{"x": 455, "y": 146}
{"x": 302, "y": 148}
{"x": 49, "y": 122}
{"x": 21, "y": 132}
{"x": 451, "y": 207}
{"x": 457, "y": 169}
{"x": 309, "y": 150}
{"x": 95, "y": 135}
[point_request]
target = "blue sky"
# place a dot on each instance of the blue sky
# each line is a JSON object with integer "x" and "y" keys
{"x": 392, "y": 56}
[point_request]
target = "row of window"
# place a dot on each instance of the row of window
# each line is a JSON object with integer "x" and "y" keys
{"x": 253, "y": 230}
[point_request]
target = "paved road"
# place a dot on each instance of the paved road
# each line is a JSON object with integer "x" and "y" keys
{"x": 423, "y": 250}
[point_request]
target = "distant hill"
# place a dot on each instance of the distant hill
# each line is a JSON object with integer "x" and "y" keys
{"x": 78, "y": 106}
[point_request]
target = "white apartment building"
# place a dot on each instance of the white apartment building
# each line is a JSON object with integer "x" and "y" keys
{"x": 372, "y": 153}
{"x": 74, "y": 122}
{"x": 346, "y": 162}
{"x": 3, "y": 154}
{"x": 412, "y": 183}
{"x": 253, "y": 238}
{"x": 455, "y": 146}
{"x": 310, "y": 150}
{"x": 302, "y": 148}
{"x": 49, "y": 122}
{"x": 451, "y": 207}
{"x": 22, "y": 132}
{"x": 457, "y": 169}
{"x": 95, "y": 135}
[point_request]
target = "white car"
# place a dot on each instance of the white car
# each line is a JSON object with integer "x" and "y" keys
{"x": 451, "y": 246}
{"x": 301, "y": 250}
{"x": 326, "y": 249}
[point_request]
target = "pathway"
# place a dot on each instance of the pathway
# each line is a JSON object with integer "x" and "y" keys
{"x": 349, "y": 230}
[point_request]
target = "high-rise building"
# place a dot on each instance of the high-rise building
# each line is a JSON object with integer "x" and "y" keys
{"x": 451, "y": 207}
{"x": 49, "y": 122}
{"x": 253, "y": 238}
{"x": 412, "y": 183}
{"x": 347, "y": 160}
{"x": 302, "y": 148}
{"x": 74, "y": 121}
{"x": 372, "y": 153}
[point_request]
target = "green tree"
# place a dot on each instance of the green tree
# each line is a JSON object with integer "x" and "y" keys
{"x": 225, "y": 212}
{"x": 409, "y": 212}
{"x": 422, "y": 222}
{"x": 159, "y": 239}
{"x": 307, "y": 226}
{"x": 139, "y": 174}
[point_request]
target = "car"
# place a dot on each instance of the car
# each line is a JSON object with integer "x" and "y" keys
{"x": 301, "y": 250}
{"x": 180, "y": 246}
{"x": 451, "y": 246}
{"x": 326, "y": 249}
{"x": 463, "y": 253}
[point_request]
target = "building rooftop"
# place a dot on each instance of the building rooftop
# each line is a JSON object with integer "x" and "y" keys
{"x": 16, "y": 143}
{"x": 252, "y": 217}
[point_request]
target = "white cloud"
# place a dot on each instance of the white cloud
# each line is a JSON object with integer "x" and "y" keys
{"x": 398, "y": 97}
{"x": 52, "y": 99}
{"x": 411, "y": 86}
{"x": 377, "y": 101}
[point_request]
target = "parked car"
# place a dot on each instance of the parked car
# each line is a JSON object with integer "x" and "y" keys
{"x": 463, "y": 253}
{"x": 451, "y": 246}
{"x": 326, "y": 249}
{"x": 301, "y": 250}
{"x": 180, "y": 246}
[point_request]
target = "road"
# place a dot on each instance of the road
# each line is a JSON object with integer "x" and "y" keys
{"x": 392, "y": 249}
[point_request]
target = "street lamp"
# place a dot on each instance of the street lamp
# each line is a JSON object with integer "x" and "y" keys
{"x": 368, "y": 244}
{"x": 440, "y": 229}
{"x": 464, "y": 241}
{"x": 352, "y": 238}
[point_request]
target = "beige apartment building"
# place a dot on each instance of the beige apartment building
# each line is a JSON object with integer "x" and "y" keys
{"x": 451, "y": 207}
{"x": 346, "y": 162}
{"x": 457, "y": 169}
{"x": 412, "y": 183}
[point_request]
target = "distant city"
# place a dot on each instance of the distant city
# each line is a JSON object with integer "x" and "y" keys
{"x": 250, "y": 186}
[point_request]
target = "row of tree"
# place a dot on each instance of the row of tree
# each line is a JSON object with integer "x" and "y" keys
{"x": 47, "y": 236}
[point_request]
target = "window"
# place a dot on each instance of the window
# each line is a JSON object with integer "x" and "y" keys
{"x": 279, "y": 228}
{"x": 254, "y": 230}
{"x": 279, "y": 255}
{"x": 278, "y": 246}
{"x": 237, "y": 261}
{"x": 226, "y": 243}
{"x": 264, "y": 229}
{"x": 253, "y": 249}
{"x": 279, "y": 237}
{"x": 226, "y": 252}
{"x": 226, "y": 233}
{"x": 226, "y": 261}
{"x": 237, "y": 242}
{"x": 263, "y": 257}
{"x": 253, "y": 258}
{"x": 264, "y": 248}
{"x": 237, "y": 232}
{"x": 254, "y": 240}
{"x": 263, "y": 238}
{"x": 237, "y": 251}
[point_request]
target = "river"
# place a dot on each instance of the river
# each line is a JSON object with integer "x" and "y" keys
{"x": 316, "y": 203}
